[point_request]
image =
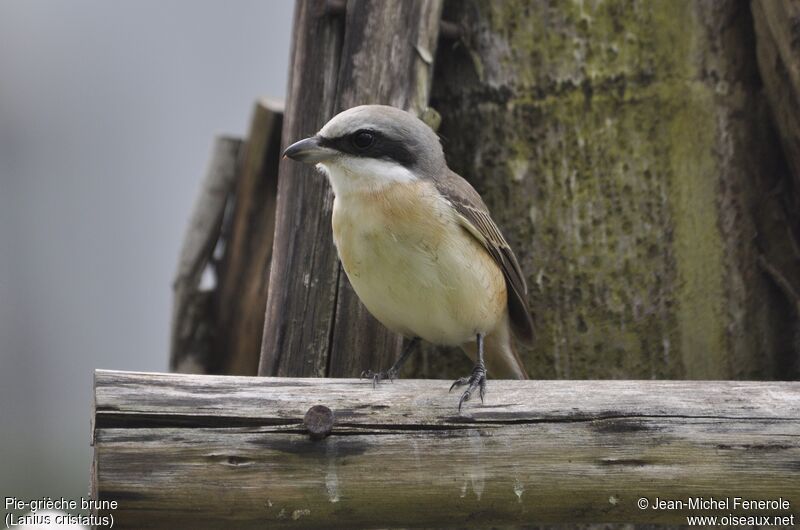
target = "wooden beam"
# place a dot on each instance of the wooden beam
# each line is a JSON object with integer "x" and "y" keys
{"x": 215, "y": 451}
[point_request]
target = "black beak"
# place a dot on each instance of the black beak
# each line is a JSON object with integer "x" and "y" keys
{"x": 309, "y": 151}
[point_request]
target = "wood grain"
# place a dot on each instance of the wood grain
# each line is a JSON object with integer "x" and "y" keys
{"x": 214, "y": 451}
{"x": 193, "y": 320}
{"x": 777, "y": 28}
{"x": 379, "y": 52}
{"x": 304, "y": 274}
{"x": 244, "y": 272}
{"x": 624, "y": 167}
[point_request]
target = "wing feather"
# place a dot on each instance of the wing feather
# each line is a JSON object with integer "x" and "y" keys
{"x": 475, "y": 218}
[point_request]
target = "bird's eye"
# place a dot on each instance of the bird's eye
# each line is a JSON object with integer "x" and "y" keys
{"x": 363, "y": 139}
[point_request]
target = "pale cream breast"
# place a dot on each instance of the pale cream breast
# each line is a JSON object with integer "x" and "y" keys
{"x": 415, "y": 268}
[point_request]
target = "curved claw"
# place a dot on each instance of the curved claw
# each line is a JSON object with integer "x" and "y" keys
{"x": 476, "y": 381}
{"x": 458, "y": 382}
{"x": 464, "y": 397}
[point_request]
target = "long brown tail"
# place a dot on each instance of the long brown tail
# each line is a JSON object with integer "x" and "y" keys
{"x": 502, "y": 359}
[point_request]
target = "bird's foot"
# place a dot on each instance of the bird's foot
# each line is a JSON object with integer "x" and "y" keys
{"x": 476, "y": 381}
{"x": 377, "y": 377}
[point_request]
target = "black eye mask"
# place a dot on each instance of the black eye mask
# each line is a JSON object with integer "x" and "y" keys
{"x": 380, "y": 147}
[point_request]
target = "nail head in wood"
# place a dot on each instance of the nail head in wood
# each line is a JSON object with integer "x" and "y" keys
{"x": 319, "y": 421}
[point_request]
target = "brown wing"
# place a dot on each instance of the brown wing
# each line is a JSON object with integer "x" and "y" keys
{"x": 475, "y": 217}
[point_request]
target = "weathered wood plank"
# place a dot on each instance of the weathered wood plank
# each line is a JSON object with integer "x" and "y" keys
{"x": 244, "y": 272}
{"x": 303, "y": 277}
{"x": 209, "y": 451}
{"x": 193, "y": 322}
{"x": 218, "y": 330}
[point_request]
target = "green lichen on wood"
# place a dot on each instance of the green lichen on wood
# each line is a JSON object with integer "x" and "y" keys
{"x": 698, "y": 244}
{"x": 555, "y": 45}
{"x": 592, "y": 129}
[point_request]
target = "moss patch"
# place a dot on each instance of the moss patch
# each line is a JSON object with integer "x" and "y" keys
{"x": 593, "y": 136}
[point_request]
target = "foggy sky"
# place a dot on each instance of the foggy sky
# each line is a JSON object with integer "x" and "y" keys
{"x": 107, "y": 115}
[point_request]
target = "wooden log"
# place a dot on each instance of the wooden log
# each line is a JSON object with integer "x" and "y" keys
{"x": 244, "y": 270}
{"x": 381, "y": 53}
{"x": 214, "y": 452}
{"x": 193, "y": 321}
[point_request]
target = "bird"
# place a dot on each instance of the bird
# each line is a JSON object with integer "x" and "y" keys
{"x": 418, "y": 243}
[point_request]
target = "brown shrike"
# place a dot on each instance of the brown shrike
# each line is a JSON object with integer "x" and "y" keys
{"x": 417, "y": 242}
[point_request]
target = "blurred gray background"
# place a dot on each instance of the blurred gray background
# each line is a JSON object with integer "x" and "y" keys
{"x": 107, "y": 115}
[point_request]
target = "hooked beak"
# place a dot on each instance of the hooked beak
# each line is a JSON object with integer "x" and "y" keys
{"x": 309, "y": 151}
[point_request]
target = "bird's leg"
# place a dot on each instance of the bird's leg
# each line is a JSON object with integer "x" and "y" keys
{"x": 476, "y": 380}
{"x": 392, "y": 372}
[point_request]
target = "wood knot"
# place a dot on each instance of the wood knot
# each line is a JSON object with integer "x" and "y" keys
{"x": 319, "y": 421}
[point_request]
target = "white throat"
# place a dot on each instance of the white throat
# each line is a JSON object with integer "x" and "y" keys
{"x": 350, "y": 174}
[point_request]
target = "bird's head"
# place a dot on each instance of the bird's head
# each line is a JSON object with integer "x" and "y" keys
{"x": 367, "y": 147}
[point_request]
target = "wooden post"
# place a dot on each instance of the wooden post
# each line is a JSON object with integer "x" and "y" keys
{"x": 213, "y": 452}
{"x": 620, "y": 148}
{"x": 776, "y": 24}
{"x": 218, "y": 330}
{"x": 244, "y": 271}
{"x": 381, "y": 52}
{"x": 193, "y": 321}
{"x": 302, "y": 283}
